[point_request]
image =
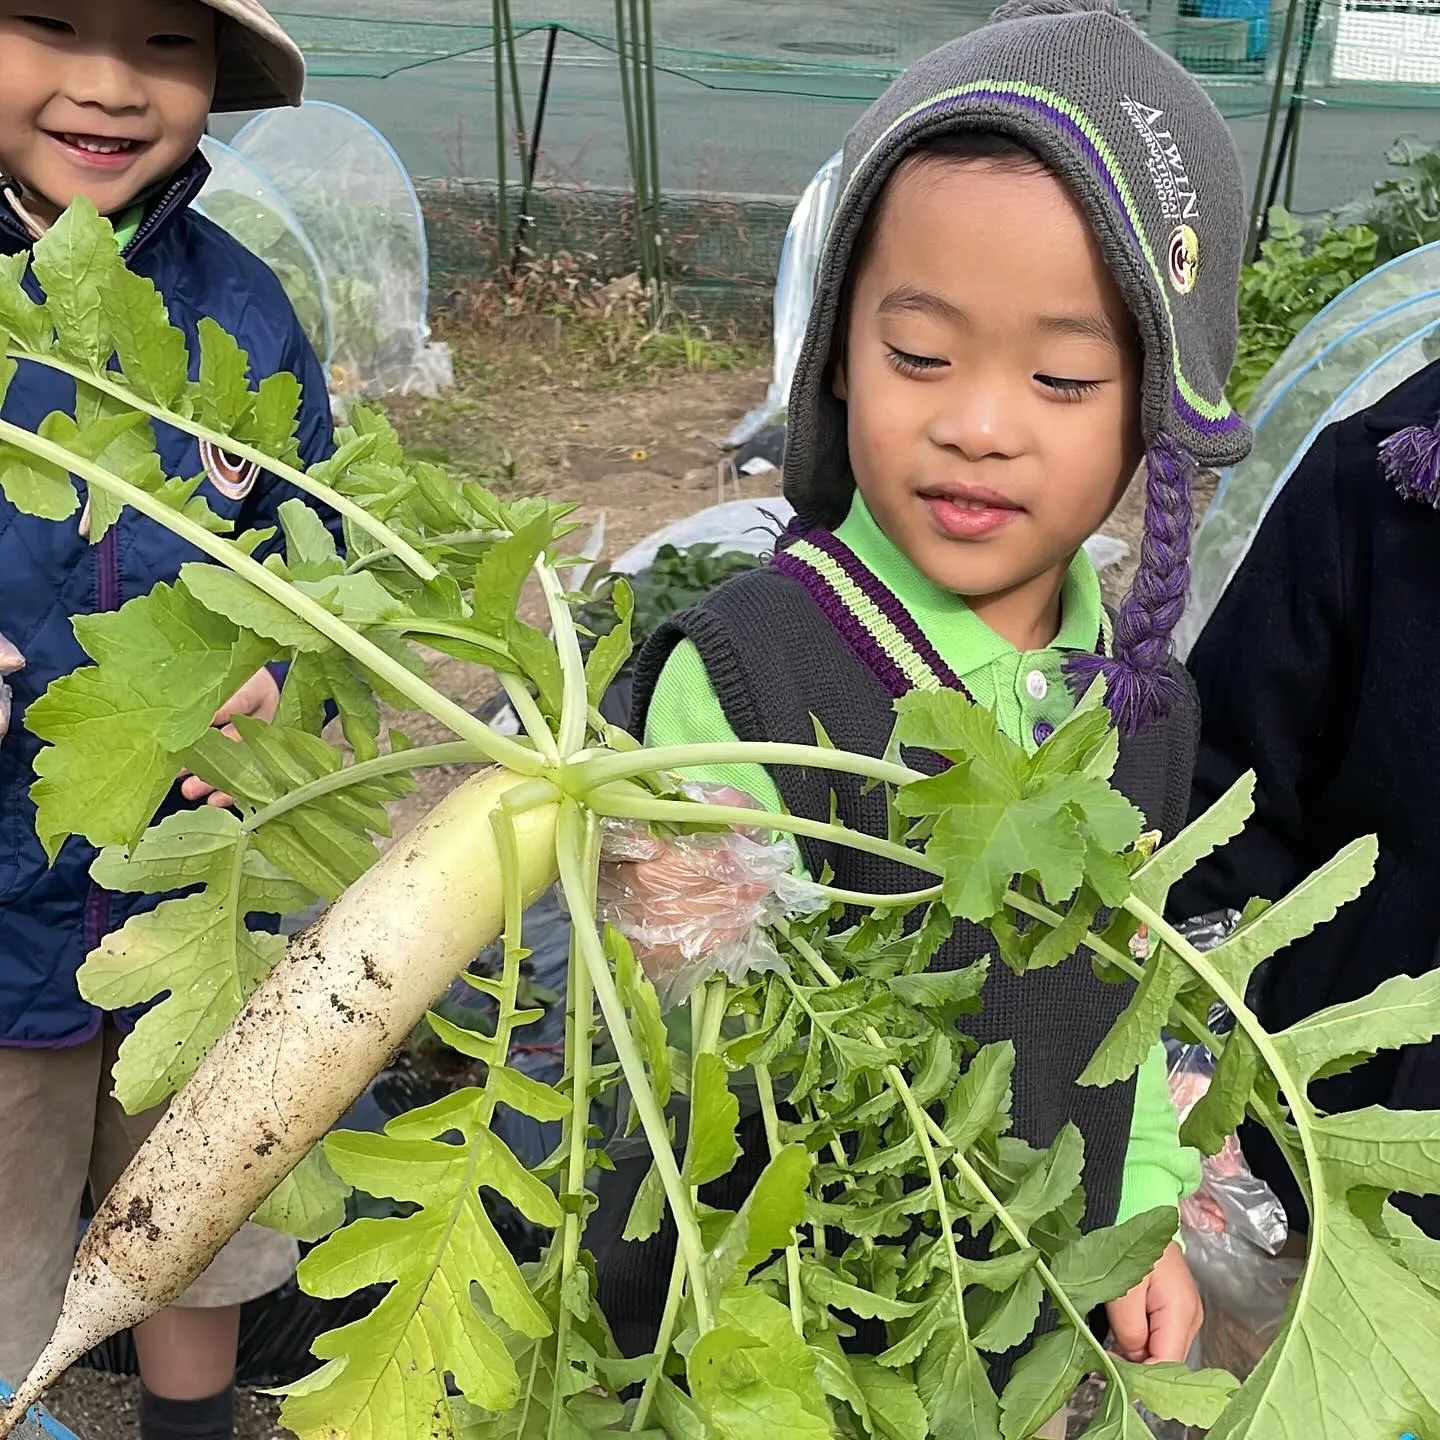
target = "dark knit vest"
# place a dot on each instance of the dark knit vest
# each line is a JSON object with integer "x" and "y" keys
{"x": 775, "y": 661}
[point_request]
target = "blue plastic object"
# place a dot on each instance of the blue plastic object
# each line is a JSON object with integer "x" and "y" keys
{"x": 1257, "y": 12}
{"x": 39, "y": 1424}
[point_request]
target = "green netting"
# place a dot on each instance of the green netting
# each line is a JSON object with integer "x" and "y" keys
{"x": 752, "y": 96}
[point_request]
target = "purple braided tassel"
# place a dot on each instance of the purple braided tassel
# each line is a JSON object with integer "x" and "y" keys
{"x": 1138, "y": 687}
{"x": 1411, "y": 462}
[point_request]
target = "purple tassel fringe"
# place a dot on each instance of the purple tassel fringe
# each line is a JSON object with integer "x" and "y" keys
{"x": 1139, "y": 687}
{"x": 1411, "y": 462}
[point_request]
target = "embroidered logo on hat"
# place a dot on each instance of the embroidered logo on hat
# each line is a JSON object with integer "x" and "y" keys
{"x": 1183, "y": 256}
{"x": 233, "y": 476}
{"x": 1179, "y": 197}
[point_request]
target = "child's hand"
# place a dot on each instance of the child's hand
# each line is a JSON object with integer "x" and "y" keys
{"x": 11, "y": 660}
{"x": 689, "y": 905}
{"x": 258, "y": 697}
{"x": 1160, "y": 1318}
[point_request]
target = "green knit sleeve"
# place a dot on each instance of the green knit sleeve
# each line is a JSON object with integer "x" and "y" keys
{"x": 685, "y": 710}
{"x": 1159, "y": 1170}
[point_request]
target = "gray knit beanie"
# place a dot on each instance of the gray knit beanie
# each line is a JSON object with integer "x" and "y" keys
{"x": 1150, "y": 159}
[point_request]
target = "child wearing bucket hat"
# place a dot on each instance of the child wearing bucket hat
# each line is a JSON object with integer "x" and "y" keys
{"x": 108, "y": 99}
{"x": 1028, "y": 292}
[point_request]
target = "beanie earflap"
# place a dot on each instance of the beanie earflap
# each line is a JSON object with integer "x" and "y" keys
{"x": 1138, "y": 685}
{"x": 1411, "y": 461}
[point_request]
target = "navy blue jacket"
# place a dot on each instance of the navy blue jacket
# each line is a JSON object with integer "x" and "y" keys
{"x": 1320, "y": 671}
{"x": 51, "y": 917}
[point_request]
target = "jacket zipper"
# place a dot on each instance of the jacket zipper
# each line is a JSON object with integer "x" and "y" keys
{"x": 14, "y": 237}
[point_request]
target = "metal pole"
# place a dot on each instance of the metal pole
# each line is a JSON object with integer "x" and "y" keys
{"x": 1297, "y": 95}
{"x": 515, "y": 90}
{"x": 642, "y": 144}
{"x": 533, "y": 158}
{"x": 632, "y": 140}
{"x": 1257, "y": 214}
{"x": 1287, "y": 134}
{"x": 653, "y": 125}
{"x": 502, "y": 143}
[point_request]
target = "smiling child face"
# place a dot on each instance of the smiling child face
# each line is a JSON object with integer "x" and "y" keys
{"x": 991, "y": 375}
{"x": 101, "y": 98}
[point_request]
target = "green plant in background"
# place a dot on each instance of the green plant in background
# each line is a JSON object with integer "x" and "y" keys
{"x": 676, "y": 580}
{"x": 1295, "y": 277}
{"x": 1404, "y": 211}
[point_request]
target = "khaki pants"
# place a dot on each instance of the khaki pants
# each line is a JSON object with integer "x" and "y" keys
{"x": 59, "y": 1127}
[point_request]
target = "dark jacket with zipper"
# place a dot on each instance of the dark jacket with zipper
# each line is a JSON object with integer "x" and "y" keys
{"x": 1056, "y": 1017}
{"x": 51, "y": 916}
{"x": 1320, "y": 671}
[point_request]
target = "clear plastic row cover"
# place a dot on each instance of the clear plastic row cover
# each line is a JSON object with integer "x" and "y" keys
{"x": 319, "y": 194}
{"x": 1377, "y": 334}
{"x": 794, "y": 292}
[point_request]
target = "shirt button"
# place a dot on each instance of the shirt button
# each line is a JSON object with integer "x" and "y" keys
{"x": 1037, "y": 685}
{"x": 1043, "y": 731}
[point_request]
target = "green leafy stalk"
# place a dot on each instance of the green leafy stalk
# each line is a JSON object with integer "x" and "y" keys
{"x": 528, "y": 712}
{"x": 707, "y": 1013}
{"x": 579, "y": 1042}
{"x": 606, "y": 768}
{"x": 795, "y": 1294}
{"x": 570, "y": 853}
{"x": 106, "y": 384}
{"x": 398, "y": 762}
{"x": 626, "y": 801}
{"x": 574, "y": 706}
{"x": 496, "y": 748}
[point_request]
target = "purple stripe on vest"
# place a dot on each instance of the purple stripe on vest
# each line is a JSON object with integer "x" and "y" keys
{"x": 886, "y": 602}
{"x": 865, "y": 646}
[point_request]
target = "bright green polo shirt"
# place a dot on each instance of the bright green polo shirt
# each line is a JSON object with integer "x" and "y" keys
{"x": 1027, "y": 692}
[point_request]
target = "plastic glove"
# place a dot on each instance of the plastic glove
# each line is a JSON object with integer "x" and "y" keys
{"x": 694, "y": 905}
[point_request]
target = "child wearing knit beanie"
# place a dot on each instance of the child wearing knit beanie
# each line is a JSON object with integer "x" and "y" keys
{"x": 1028, "y": 293}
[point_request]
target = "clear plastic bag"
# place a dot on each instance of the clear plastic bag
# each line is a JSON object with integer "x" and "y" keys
{"x": 794, "y": 292}
{"x": 1233, "y": 1226}
{"x": 696, "y": 905}
{"x": 11, "y": 660}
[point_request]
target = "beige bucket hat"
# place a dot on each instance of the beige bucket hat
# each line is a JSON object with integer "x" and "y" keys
{"x": 259, "y": 65}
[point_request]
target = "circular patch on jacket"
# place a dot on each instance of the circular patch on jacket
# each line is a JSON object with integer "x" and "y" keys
{"x": 1183, "y": 253}
{"x": 231, "y": 475}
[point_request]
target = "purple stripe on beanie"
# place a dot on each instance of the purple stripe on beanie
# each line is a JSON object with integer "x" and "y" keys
{"x": 887, "y": 603}
{"x": 1411, "y": 462}
{"x": 1139, "y": 687}
{"x": 867, "y": 649}
{"x": 1193, "y": 417}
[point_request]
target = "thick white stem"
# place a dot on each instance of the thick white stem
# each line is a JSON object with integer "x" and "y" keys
{"x": 342, "y": 1001}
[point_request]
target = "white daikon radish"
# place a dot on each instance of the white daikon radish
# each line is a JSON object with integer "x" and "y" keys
{"x": 345, "y": 997}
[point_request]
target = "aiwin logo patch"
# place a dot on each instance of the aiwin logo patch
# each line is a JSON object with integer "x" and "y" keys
{"x": 232, "y": 475}
{"x": 1176, "y": 191}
